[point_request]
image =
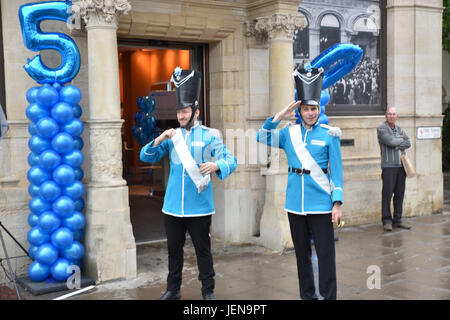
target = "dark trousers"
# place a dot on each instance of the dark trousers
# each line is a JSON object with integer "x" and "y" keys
{"x": 198, "y": 228}
{"x": 321, "y": 228}
{"x": 393, "y": 184}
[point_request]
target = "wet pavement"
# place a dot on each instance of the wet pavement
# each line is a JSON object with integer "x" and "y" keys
{"x": 412, "y": 264}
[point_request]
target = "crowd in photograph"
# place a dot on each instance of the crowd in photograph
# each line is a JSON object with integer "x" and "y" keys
{"x": 361, "y": 86}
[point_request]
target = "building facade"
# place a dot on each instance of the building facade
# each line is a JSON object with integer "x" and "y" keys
{"x": 245, "y": 49}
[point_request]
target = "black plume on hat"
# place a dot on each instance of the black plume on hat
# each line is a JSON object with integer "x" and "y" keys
{"x": 308, "y": 82}
{"x": 187, "y": 85}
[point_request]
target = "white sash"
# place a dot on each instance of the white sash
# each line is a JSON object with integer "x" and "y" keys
{"x": 307, "y": 160}
{"x": 201, "y": 182}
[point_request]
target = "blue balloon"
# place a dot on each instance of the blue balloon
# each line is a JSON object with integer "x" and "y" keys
{"x": 38, "y": 205}
{"x": 75, "y": 221}
{"x": 64, "y": 175}
{"x": 322, "y": 109}
{"x": 62, "y": 238}
{"x": 37, "y": 175}
{"x": 49, "y": 160}
{"x": 74, "y": 159}
{"x": 49, "y": 190}
{"x": 63, "y": 206}
{"x": 59, "y": 269}
{"x": 30, "y": 16}
{"x": 79, "y": 204}
{"x": 341, "y": 57}
{"x": 32, "y": 128}
{"x": 63, "y": 143}
{"x": 33, "y": 190}
{"x": 78, "y": 143}
{"x": 31, "y": 94}
{"x": 62, "y": 112}
{"x": 79, "y": 174}
{"x": 33, "y": 159}
{"x": 78, "y": 234}
{"x": 47, "y": 254}
{"x": 323, "y": 119}
{"x": 47, "y": 96}
{"x": 57, "y": 86}
{"x": 324, "y": 97}
{"x": 74, "y": 127}
{"x": 49, "y": 221}
{"x": 47, "y": 127}
{"x": 38, "y": 144}
{"x": 38, "y": 272}
{"x": 36, "y": 236}
{"x": 35, "y": 112}
{"x": 33, "y": 220}
{"x": 74, "y": 190}
{"x": 32, "y": 251}
{"x": 73, "y": 252}
{"x": 77, "y": 111}
{"x": 70, "y": 94}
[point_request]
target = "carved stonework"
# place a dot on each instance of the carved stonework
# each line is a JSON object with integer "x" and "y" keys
{"x": 106, "y": 152}
{"x": 278, "y": 26}
{"x": 98, "y": 12}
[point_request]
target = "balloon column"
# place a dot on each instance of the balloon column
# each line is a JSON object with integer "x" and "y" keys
{"x": 145, "y": 129}
{"x": 337, "y": 61}
{"x": 56, "y": 158}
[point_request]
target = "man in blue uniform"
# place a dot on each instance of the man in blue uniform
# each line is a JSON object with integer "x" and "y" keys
{"x": 314, "y": 188}
{"x": 188, "y": 202}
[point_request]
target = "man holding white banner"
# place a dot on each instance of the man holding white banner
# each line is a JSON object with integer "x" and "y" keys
{"x": 314, "y": 189}
{"x": 188, "y": 202}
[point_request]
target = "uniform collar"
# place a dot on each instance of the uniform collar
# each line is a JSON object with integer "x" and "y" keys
{"x": 196, "y": 125}
{"x": 314, "y": 126}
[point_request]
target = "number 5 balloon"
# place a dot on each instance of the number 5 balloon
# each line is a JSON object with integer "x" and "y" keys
{"x": 30, "y": 16}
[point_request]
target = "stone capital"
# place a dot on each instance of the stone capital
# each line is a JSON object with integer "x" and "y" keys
{"x": 98, "y": 13}
{"x": 278, "y": 26}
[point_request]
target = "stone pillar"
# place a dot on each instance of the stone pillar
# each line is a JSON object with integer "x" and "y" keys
{"x": 109, "y": 240}
{"x": 414, "y": 87}
{"x": 278, "y": 30}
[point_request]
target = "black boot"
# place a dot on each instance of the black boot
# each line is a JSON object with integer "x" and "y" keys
{"x": 171, "y": 295}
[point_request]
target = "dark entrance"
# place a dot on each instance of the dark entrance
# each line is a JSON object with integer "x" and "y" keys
{"x": 145, "y": 69}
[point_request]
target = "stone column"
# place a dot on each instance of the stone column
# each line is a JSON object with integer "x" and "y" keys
{"x": 414, "y": 87}
{"x": 278, "y": 30}
{"x": 109, "y": 240}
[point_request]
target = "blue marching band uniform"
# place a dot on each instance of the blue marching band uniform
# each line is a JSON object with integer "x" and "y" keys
{"x": 304, "y": 193}
{"x": 182, "y": 198}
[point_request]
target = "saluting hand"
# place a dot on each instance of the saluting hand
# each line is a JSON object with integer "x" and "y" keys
{"x": 208, "y": 167}
{"x": 288, "y": 112}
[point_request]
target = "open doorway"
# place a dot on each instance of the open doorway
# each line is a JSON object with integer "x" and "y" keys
{"x": 145, "y": 69}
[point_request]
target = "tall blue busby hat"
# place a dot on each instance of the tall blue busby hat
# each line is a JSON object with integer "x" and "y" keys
{"x": 187, "y": 85}
{"x": 308, "y": 82}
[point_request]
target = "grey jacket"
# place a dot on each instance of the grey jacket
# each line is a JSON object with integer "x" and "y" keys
{"x": 391, "y": 145}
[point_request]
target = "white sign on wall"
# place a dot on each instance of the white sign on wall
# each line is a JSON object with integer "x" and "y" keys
{"x": 428, "y": 133}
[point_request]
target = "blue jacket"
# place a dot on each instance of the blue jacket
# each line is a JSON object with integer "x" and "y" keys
{"x": 303, "y": 194}
{"x": 182, "y": 198}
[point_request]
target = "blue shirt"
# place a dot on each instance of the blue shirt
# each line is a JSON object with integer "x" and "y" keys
{"x": 303, "y": 194}
{"x": 182, "y": 198}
